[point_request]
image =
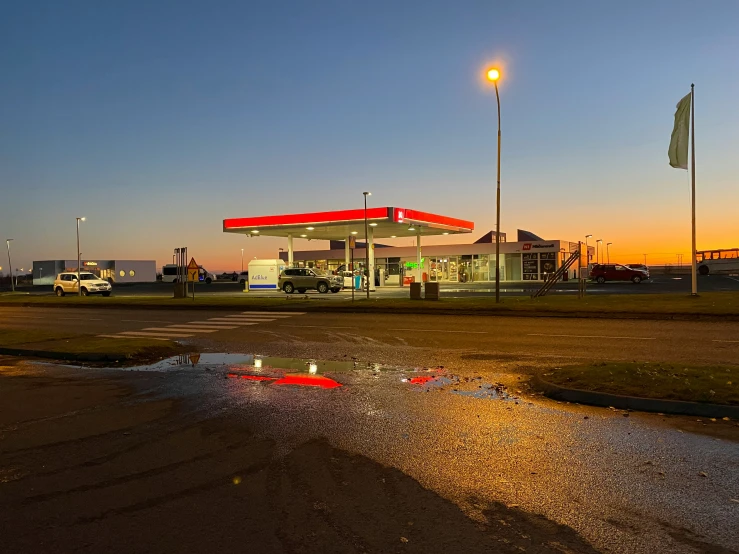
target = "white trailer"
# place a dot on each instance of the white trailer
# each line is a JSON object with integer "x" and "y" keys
{"x": 263, "y": 274}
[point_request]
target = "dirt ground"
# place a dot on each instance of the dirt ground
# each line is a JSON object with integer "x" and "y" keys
{"x": 88, "y": 465}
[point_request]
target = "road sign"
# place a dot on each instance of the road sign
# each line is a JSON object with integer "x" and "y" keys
{"x": 194, "y": 358}
{"x": 352, "y": 242}
{"x": 192, "y": 270}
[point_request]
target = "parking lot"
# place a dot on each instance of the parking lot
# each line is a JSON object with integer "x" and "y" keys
{"x": 658, "y": 284}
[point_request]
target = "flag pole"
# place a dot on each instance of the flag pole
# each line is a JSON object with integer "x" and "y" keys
{"x": 694, "y": 280}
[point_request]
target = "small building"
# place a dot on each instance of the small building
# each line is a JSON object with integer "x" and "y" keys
{"x": 114, "y": 271}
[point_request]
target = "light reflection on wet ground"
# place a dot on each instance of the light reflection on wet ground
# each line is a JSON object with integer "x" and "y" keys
{"x": 626, "y": 484}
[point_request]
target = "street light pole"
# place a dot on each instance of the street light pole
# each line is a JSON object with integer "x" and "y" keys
{"x": 366, "y": 242}
{"x": 10, "y": 265}
{"x": 608, "y": 251}
{"x": 598, "y": 251}
{"x": 242, "y": 260}
{"x": 79, "y": 287}
{"x": 587, "y": 251}
{"x": 494, "y": 75}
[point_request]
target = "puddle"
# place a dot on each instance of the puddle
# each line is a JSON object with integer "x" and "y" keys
{"x": 276, "y": 371}
{"x": 255, "y": 362}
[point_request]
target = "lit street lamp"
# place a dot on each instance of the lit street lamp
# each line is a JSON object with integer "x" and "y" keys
{"x": 79, "y": 288}
{"x": 10, "y": 265}
{"x": 493, "y": 75}
{"x": 598, "y": 250}
{"x": 608, "y": 251}
{"x": 366, "y": 242}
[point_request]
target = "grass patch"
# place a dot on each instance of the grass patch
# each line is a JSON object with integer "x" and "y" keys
{"x": 657, "y": 305}
{"x": 69, "y": 343}
{"x": 714, "y": 384}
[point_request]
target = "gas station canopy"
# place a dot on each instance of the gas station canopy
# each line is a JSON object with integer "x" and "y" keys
{"x": 387, "y": 222}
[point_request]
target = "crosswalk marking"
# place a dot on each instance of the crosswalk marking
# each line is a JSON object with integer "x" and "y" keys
{"x": 232, "y": 321}
{"x": 211, "y": 325}
{"x": 175, "y": 329}
{"x": 124, "y": 337}
{"x": 156, "y": 334}
{"x": 274, "y": 314}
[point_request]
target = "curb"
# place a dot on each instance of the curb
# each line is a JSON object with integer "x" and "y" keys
{"x": 637, "y": 403}
{"x": 66, "y": 356}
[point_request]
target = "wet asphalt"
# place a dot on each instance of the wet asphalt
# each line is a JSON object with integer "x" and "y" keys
{"x": 471, "y": 431}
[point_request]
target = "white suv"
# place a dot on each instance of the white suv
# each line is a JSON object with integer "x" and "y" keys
{"x": 91, "y": 284}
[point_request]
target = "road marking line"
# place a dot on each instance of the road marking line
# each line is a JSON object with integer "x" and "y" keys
{"x": 252, "y": 317}
{"x": 180, "y": 330}
{"x": 81, "y": 318}
{"x": 122, "y": 337}
{"x": 220, "y": 320}
{"x": 158, "y": 334}
{"x": 143, "y": 321}
{"x": 318, "y": 326}
{"x": 274, "y": 314}
{"x": 212, "y": 324}
{"x": 245, "y": 318}
{"x": 589, "y": 336}
{"x": 441, "y": 331}
{"x": 717, "y": 340}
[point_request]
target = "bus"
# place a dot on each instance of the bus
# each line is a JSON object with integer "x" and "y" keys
{"x": 718, "y": 261}
{"x": 170, "y": 271}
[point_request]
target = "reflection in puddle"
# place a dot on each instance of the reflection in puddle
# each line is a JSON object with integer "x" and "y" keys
{"x": 256, "y": 362}
{"x": 270, "y": 371}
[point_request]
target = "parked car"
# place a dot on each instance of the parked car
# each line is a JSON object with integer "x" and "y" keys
{"x": 302, "y": 279}
{"x": 226, "y": 276}
{"x": 91, "y": 284}
{"x": 616, "y": 272}
{"x": 641, "y": 267}
{"x": 243, "y": 277}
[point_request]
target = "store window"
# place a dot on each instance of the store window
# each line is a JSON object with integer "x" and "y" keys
{"x": 481, "y": 267}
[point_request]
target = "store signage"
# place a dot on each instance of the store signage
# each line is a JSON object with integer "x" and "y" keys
{"x": 90, "y": 263}
{"x": 529, "y": 246}
{"x": 530, "y": 267}
{"x": 414, "y": 265}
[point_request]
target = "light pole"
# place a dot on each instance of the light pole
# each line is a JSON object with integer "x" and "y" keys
{"x": 366, "y": 242}
{"x": 493, "y": 75}
{"x": 10, "y": 265}
{"x": 79, "y": 288}
{"x": 645, "y": 259}
{"x": 242, "y": 260}
{"x": 598, "y": 250}
{"x": 608, "y": 251}
{"x": 587, "y": 251}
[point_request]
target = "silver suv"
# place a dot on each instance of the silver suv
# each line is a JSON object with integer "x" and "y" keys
{"x": 302, "y": 279}
{"x": 91, "y": 284}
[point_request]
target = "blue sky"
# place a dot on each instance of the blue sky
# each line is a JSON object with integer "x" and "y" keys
{"x": 156, "y": 120}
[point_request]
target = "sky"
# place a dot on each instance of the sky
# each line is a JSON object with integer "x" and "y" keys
{"x": 156, "y": 120}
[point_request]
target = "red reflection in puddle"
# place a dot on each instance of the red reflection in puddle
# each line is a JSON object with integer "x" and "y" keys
{"x": 250, "y": 377}
{"x": 308, "y": 381}
{"x": 420, "y": 380}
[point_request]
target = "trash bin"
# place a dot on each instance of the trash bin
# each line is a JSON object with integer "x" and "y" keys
{"x": 180, "y": 290}
{"x": 415, "y": 291}
{"x": 357, "y": 282}
{"x": 432, "y": 291}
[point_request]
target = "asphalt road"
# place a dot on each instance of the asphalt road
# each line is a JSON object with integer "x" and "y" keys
{"x": 528, "y": 472}
{"x": 658, "y": 284}
{"x": 523, "y": 337}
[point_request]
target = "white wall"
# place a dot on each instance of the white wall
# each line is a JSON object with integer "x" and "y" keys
{"x": 143, "y": 271}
